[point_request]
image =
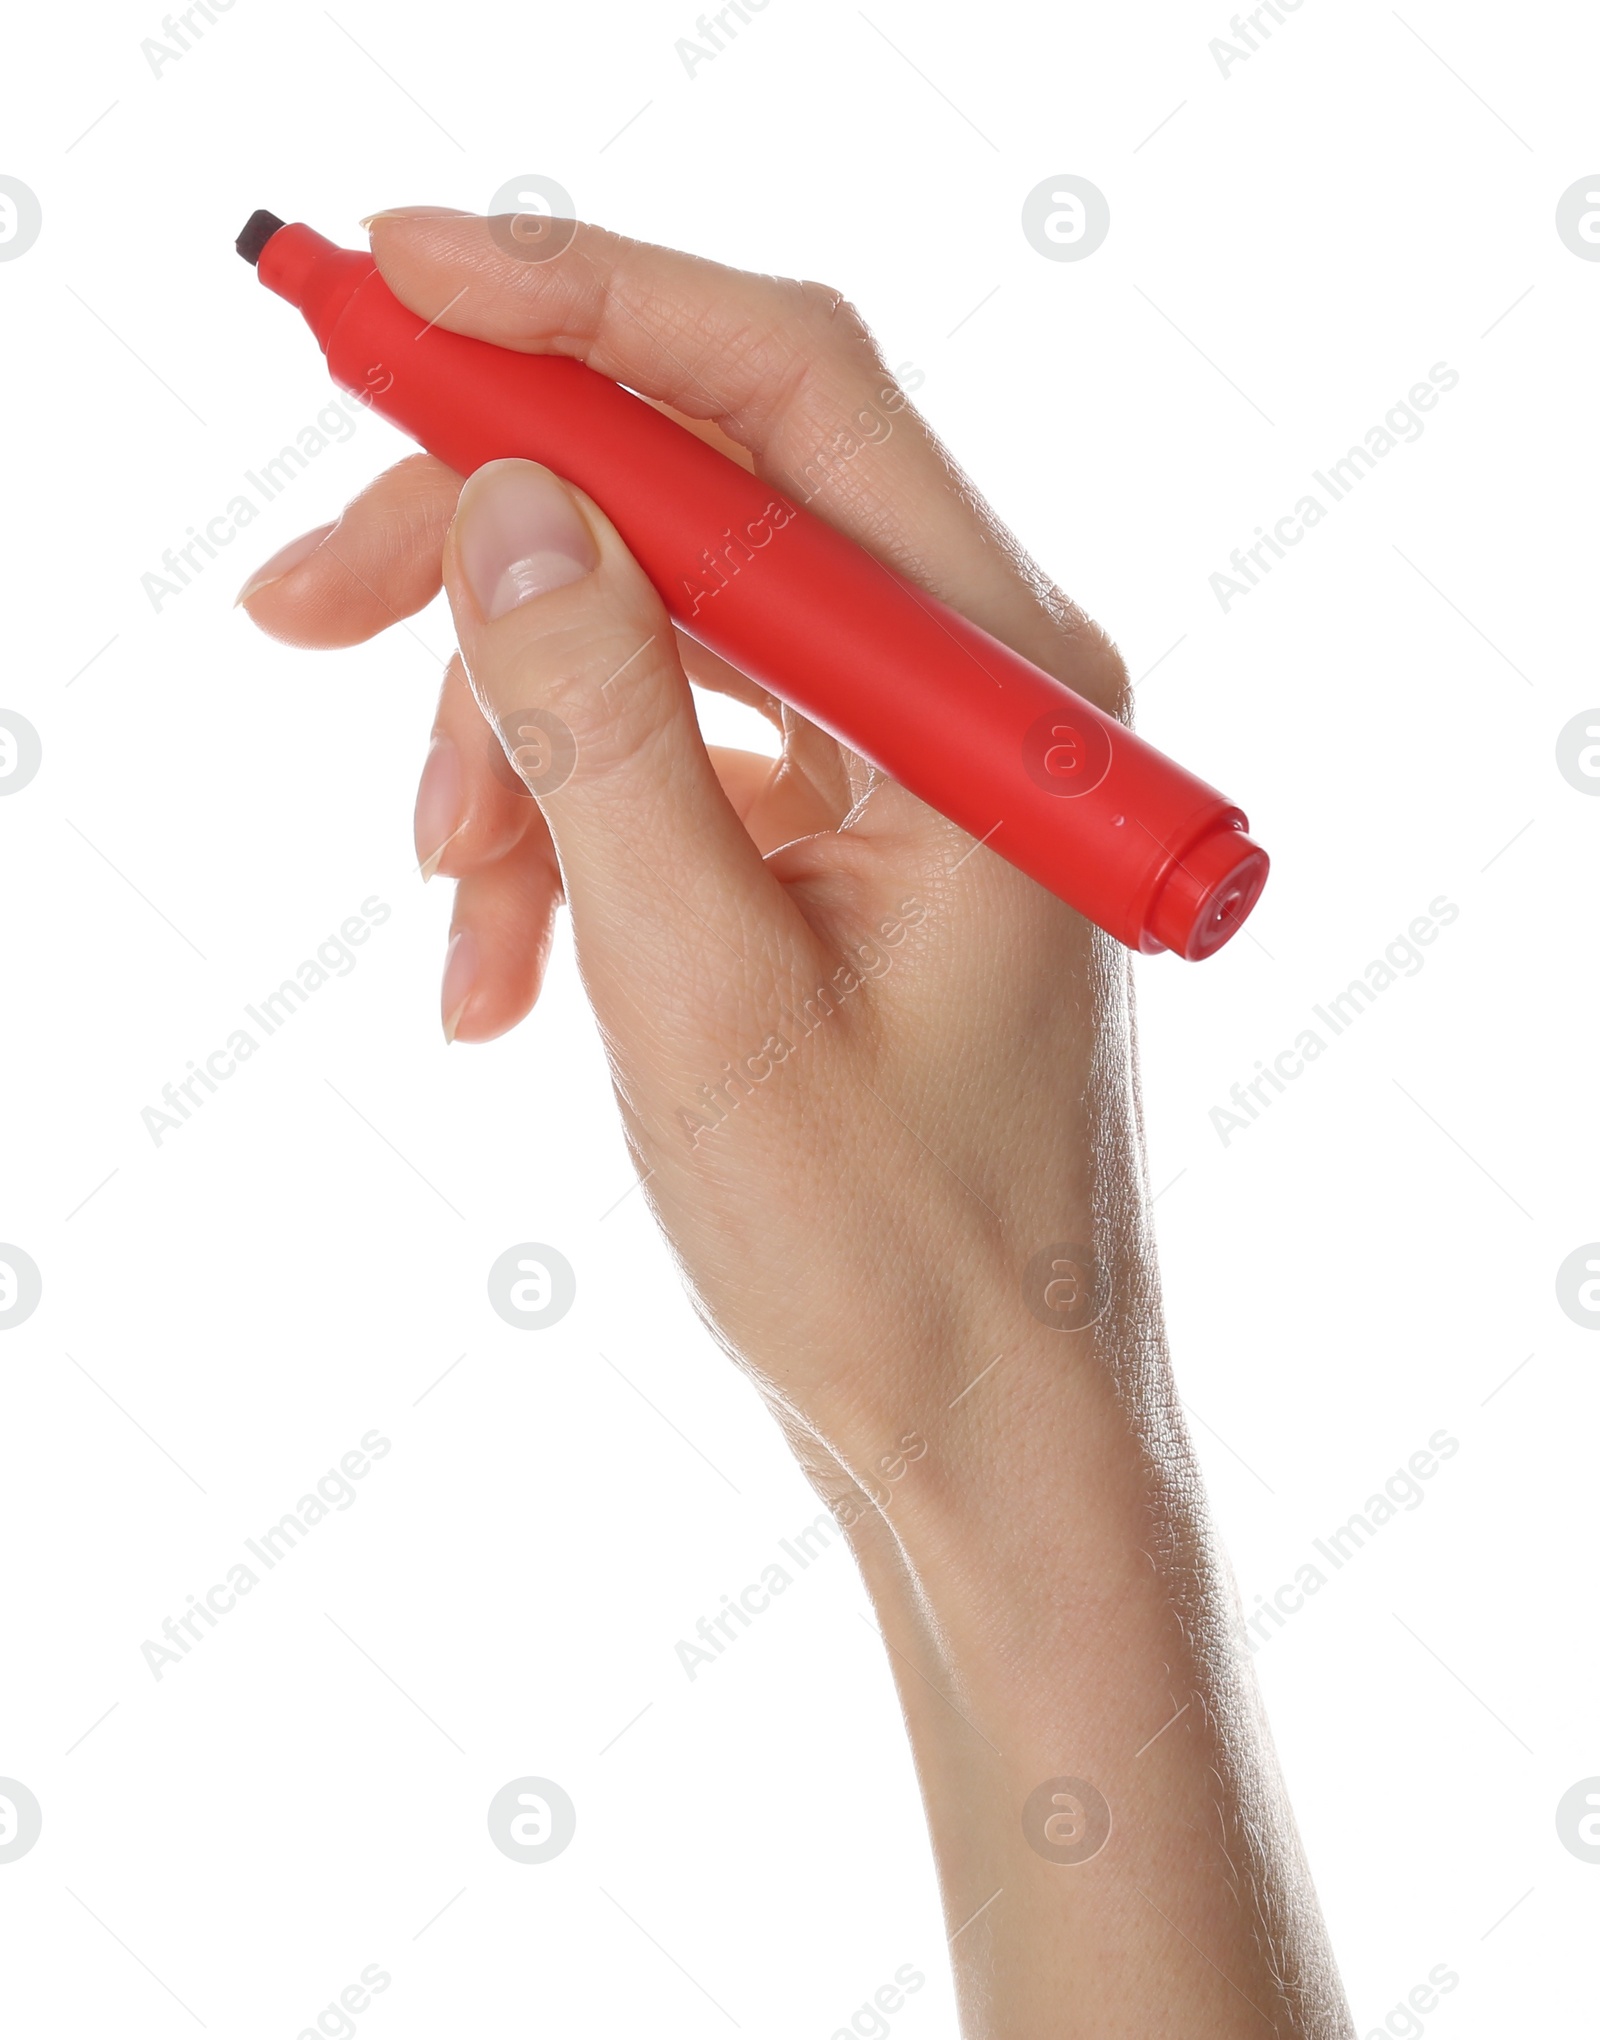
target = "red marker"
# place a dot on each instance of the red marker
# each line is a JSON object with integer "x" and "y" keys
{"x": 1060, "y": 789}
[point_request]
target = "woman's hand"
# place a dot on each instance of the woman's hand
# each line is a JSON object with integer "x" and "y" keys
{"x": 881, "y": 1091}
{"x": 831, "y": 1019}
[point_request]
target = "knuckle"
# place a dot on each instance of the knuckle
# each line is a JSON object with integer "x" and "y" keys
{"x": 831, "y": 316}
{"x": 605, "y": 693}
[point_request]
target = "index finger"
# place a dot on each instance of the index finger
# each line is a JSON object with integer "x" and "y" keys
{"x": 786, "y": 369}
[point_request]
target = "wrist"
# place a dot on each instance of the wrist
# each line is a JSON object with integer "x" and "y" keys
{"x": 1048, "y": 1465}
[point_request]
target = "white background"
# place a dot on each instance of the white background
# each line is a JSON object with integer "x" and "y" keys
{"x": 1367, "y": 1263}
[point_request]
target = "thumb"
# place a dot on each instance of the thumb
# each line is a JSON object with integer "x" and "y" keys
{"x": 573, "y": 659}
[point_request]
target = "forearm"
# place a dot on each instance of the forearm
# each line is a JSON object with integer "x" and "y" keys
{"x": 1055, "y": 1609}
{"x": 1052, "y": 1611}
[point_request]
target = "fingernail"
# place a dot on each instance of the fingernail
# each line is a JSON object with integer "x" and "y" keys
{"x": 283, "y": 562}
{"x": 460, "y": 978}
{"x": 438, "y": 815}
{"x": 520, "y": 535}
{"x": 415, "y": 212}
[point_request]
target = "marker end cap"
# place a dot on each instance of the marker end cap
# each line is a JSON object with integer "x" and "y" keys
{"x": 1208, "y": 894}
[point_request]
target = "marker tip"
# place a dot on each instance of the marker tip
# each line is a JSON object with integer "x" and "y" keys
{"x": 258, "y": 231}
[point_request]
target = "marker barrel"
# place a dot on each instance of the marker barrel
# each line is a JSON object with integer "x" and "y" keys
{"x": 1060, "y": 789}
